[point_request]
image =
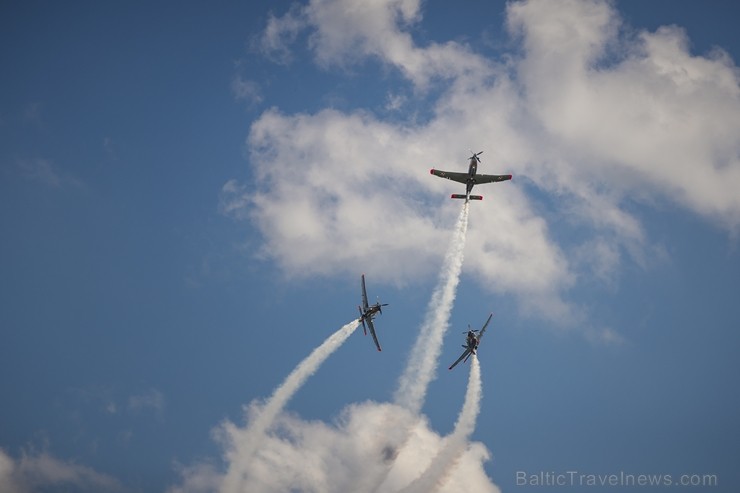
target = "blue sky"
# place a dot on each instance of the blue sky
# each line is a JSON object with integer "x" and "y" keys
{"x": 189, "y": 195}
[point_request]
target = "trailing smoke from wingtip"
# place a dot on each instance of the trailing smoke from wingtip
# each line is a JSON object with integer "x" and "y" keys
{"x": 244, "y": 442}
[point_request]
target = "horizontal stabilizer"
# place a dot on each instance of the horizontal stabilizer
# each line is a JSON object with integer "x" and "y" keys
{"x": 462, "y": 196}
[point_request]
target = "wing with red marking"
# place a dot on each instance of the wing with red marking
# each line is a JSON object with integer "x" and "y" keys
{"x": 450, "y": 175}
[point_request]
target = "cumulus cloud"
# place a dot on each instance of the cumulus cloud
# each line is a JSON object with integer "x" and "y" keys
{"x": 302, "y": 455}
{"x": 590, "y": 117}
{"x": 279, "y": 34}
{"x": 652, "y": 118}
{"x": 345, "y": 31}
{"x": 40, "y": 471}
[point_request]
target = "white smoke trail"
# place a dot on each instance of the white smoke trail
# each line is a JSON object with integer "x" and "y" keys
{"x": 245, "y": 442}
{"x": 420, "y": 370}
{"x": 455, "y": 444}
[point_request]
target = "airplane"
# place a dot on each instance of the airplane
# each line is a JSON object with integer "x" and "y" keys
{"x": 471, "y": 343}
{"x": 471, "y": 178}
{"x": 368, "y": 312}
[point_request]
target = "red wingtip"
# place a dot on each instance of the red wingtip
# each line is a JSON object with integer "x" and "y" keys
{"x": 431, "y": 171}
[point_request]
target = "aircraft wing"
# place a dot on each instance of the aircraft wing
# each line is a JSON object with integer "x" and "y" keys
{"x": 450, "y": 175}
{"x": 370, "y": 326}
{"x": 463, "y": 356}
{"x": 364, "y": 295}
{"x": 483, "y": 330}
{"x": 479, "y": 179}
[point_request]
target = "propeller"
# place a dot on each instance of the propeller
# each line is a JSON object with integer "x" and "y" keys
{"x": 475, "y": 155}
{"x": 377, "y": 302}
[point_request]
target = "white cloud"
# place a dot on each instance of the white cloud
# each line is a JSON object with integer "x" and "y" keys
{"x": 246, "y": 90}
{"x": 342, "y": 193}
{"x": 314, "y": 456}
{"x": 234, "y": 200}
{"x": 656, "y": 119}
{"x": 333, "y": 198}
{"x": 394, "y": 102}
{"x": 39, "y": 471}
{"x": 200, "y": 477}
{"x": 587, "y": 116}
{"x": 279, "y": 34}
{"x": 345, "y": 31}
{"x": 151, "y": 399}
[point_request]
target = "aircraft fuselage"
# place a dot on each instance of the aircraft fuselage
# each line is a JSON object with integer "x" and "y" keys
{"x": 371, "y": 312}
{"x": 472, "y": 341}
{"x": 472, "y": 170}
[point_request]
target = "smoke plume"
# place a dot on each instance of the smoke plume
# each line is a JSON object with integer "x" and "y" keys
{"x": 420, "y": 370}
{"x": 455, "y": 444}
{"x": 243, "y": 443}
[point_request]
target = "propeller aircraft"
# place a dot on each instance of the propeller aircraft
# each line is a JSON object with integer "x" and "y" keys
{"x": 471, "y": 342}
{"x": 368, "y": 312}
{"x": 470, "y": 179}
